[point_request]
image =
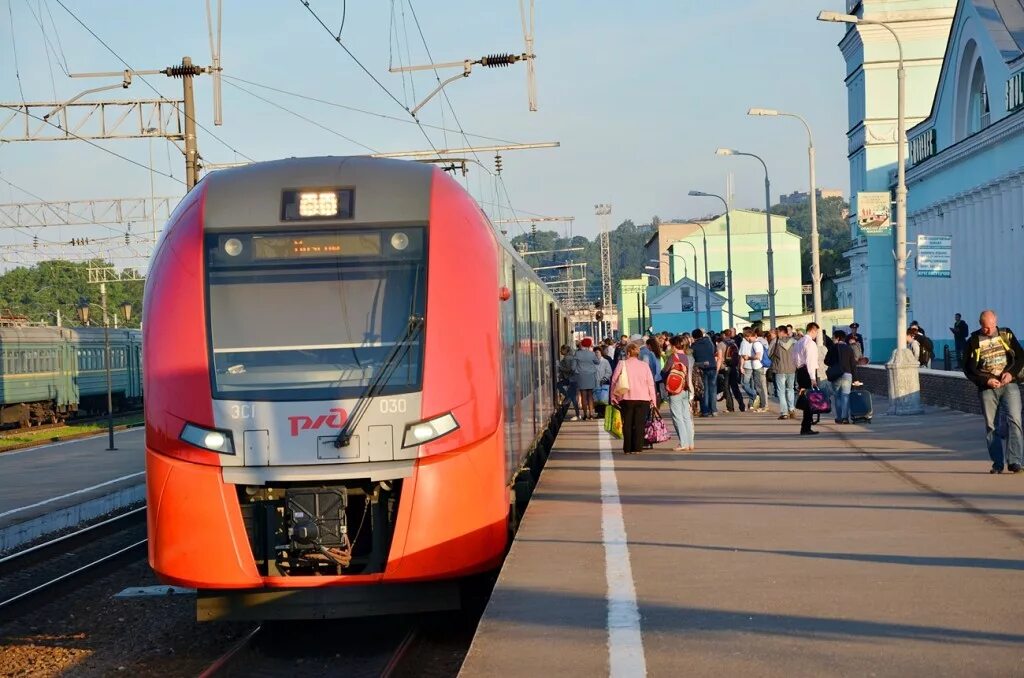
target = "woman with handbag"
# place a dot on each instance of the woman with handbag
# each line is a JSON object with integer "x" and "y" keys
{"x": 633, "y": 393}
{"x": 679, "y": 401}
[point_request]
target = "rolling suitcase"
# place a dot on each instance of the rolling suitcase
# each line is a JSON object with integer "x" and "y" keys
{"x": 860, "y": 406}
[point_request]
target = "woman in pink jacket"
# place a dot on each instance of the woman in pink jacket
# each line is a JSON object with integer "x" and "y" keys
{"x": 636, "y": 403}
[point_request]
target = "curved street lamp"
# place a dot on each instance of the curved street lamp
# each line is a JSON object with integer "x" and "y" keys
{"x": 768, "y": 219}
{"x": 728, "y": 246}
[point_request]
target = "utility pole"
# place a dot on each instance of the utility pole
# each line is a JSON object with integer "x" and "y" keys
{"x": 187, "y": 72}
{"x": 603, "y": 211}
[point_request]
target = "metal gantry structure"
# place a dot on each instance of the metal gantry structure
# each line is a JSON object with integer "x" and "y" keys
{"x": 604, "y": 212}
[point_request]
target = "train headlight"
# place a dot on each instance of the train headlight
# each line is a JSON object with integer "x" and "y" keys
{"x": 233, "y": 247}
{"x": 399, "y": 241}
{"x": 208, "y": 439}
{"x": 431, "y": 429}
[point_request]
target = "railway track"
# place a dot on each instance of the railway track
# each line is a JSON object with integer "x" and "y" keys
{"x": 77, "y": 421}
{"x": 36, "y": 575}
{"x": 374, "y": 648}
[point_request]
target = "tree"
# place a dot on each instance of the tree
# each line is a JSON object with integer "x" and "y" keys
{"x": 38, "y": 292}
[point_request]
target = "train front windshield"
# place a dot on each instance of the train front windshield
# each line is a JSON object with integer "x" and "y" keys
{"x": 317, "y": 315}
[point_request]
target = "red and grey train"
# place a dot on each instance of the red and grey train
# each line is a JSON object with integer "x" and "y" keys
{"x": 345, "y": 370}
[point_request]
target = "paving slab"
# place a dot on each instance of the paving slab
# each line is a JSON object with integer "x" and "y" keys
{"x": 882, "y": 550}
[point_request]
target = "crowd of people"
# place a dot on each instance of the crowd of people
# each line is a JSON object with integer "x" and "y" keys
{"x": 702, "y": 374}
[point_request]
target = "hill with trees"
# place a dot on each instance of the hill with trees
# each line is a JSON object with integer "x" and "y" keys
{"x": 37, "y": 292}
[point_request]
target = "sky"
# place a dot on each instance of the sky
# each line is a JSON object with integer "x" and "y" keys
{"x": 638, "y": 94}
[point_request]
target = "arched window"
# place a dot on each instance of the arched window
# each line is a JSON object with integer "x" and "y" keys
{"x": 978, "y": 115}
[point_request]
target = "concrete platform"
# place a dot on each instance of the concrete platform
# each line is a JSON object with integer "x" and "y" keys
{"x": 882, "y": 550}
{"x": 48, "y": 488}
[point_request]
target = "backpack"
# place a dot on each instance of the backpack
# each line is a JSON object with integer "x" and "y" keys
{"x": 766, "y": 362}
{"x": 927, "y": 350}
{"x": 732, "y": 354}
{"x": 676, "y": 381}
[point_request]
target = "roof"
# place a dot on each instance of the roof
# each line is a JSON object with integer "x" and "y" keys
{"x": 1004, "y": 20}
{"x": 685, "y": 282}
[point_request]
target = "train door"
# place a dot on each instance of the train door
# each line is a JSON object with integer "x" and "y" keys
{"x": 554, "y": 320}
{"x": 510, "y": 367}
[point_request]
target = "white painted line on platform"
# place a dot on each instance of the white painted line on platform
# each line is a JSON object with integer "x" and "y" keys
{"x": 71, "y": 494}
{"x": 625, "y": 641}
{"x": 36, "y": 448}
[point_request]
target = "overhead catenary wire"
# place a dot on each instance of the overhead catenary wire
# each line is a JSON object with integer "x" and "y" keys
{"x": 56, "y": 35}
{"x": 302, "y": 117}
{"x": 383, "y": 116}
{"x": 149, "y": 84}
{"x": 14, "y": 49}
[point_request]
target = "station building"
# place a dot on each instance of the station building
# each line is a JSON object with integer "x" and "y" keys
{"x": 965, "y": 176}
{"x": 965, "y": 166}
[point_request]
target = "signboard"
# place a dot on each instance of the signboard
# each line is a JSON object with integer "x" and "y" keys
{"x": 687, "y": 303}
{"x": 806, "y": 289}
{"x": 873, "y": 213}
{"x": 757, "y": 302}
{"x": 717, "y": 279}
{"x": 934, "y": 256}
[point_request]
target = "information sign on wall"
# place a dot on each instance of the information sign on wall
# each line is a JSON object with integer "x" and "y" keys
{"x": 934, "y": 256}
{"x": 757, "y": 302}
{"x": 687, "y": 303}
{"x": 873, "y": 213}
{"x": 717, "y": 279}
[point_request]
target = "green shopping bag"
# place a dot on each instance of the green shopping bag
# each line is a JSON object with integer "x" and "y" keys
{"x": 613, "y": 421}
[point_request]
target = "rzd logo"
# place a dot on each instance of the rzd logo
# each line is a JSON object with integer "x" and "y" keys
{"x": 336, "y": 419}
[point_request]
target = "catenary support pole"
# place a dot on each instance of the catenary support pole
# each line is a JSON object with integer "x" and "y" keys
{"x": 191, "y": 150}
{"x": 106, "y": 363}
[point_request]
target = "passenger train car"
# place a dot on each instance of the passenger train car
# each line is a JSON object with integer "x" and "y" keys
{"x": 346, "y": 370}
{"x": 49, "y": 373}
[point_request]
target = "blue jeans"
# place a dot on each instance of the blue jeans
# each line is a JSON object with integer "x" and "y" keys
{"x": 568, "y": 390}
{"x": 709, "y": 400}
{"x": 1009, "y": 398}
{"x": 842, "y": 387}
{"x": 747, "y": 382}
{"x": 785, "y": 388}
{"x": 682, "y": 417}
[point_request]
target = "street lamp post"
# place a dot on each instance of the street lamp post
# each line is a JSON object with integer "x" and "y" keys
{"x": 813, "y": 203}
{"x": 904, "y": 380}
{"x": 768, "y": 219}
{"x": 728, "y": 246}
{"x": 83, "y": 315}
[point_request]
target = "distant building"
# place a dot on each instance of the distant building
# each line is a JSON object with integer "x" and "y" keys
{"x": 800, "y": 197}
{"x": 656, "y": 248}
{"x": 632, "y": 305}
{"x": 749, "y": 263}
{"x": 684, "y": 305}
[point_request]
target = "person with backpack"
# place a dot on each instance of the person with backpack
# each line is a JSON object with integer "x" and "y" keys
{"x": 566, "y": 383}
{"x": 781, "y": 353}
{"x": 994, "y": 361}
{"x": 731, "y": 364}
{"x": 705, "y": 359}
{"x": 678, "y": 379}
{"x": 753, "y": 370}
{"x": 927, "y": 351}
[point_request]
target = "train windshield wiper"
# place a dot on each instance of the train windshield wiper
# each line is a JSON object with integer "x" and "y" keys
{"x": 398, "y": 353}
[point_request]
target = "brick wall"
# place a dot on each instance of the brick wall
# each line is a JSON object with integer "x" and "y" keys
{"x": 944, "y": 389}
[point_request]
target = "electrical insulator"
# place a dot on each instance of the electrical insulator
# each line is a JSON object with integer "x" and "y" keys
{"x": 35, "y": 242}
{"x": 497, "y": 163}
{"x": 127, "y": 239}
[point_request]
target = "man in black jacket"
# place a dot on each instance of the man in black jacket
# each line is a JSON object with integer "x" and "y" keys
{"x": 992, "y": 359}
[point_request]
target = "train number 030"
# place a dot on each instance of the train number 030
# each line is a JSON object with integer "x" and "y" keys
{"x": 393, "y": 406}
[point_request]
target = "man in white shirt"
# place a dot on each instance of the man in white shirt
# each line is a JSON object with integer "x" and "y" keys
{"x": 751, "y": 352}
{"x": 805, "y": 356}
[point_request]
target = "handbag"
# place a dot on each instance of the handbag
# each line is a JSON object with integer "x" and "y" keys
{"x": 622, "y": 383}
{"x": 613, "y": 417}
{"x": 655, "y": 431}
{"x": 814, "y": 400}
{"x": 601, "y": 394}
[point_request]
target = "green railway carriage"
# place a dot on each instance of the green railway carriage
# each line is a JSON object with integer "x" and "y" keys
{"x": 49, "y": 373}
